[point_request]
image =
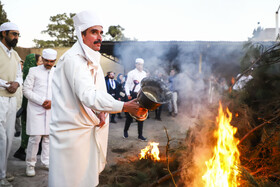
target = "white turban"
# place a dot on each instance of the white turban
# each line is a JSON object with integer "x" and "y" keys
{"x": 49, "y": 54}
{"x": 139, "y": 61}
{"x": 8, "y": 26}
{"x": 83, "y": 21}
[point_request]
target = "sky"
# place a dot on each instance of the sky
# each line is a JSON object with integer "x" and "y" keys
{"x": 151, "y": 20}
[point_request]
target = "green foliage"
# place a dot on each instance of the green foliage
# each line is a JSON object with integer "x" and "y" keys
{"x": 62, "y": 29}
{"x": 115, "y": 33}
{"x": 266, "y": 82}
{"x": 3, "y": 14}
{"x": 252, "y": 53}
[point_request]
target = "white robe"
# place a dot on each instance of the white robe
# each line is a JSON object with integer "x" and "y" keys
{"x": 78, "y": 147}
{"x": 37, "y": 89}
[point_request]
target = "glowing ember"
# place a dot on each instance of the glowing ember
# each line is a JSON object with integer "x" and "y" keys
{"x": 222, "y": 168}
{"x": 151, "y": 151}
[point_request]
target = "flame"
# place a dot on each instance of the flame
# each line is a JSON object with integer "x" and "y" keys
{"x": 232, "y": 80}
{"x": 222, "y": 168}
{"x": 150, "y": 151}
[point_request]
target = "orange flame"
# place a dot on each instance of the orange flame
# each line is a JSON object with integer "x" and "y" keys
{"x": 222, "y": 168}
{"x": 232, "y": 80}
{"x": 150, "y": 151}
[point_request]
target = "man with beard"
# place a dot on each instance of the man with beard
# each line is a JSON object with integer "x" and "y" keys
{"x": 10, "y": 80}
{"x": 37, "y": 89}
{"x": 80, "y": 105}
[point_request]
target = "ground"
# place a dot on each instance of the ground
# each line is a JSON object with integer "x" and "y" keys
{"x": 118, "y": 147}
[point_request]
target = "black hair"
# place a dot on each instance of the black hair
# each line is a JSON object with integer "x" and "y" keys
{"x": 37, "y": 57}
{"x": 1, "y": 34}
{"x": 84, "y": 32}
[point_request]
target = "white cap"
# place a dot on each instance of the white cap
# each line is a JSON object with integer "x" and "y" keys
{"x": 8, "y": 26}
{"x": 139, "y": 61}
{"x": 49, "y": 54}
{"x": 85, "y": 20}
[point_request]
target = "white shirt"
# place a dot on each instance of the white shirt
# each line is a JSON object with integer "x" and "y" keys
{"x": 37, "y": 89}
{"x": 19, "y": 72}
{"x": 131, "y": 76}
{"x": 242, "y": 82}
{"x": 112, "y": 83}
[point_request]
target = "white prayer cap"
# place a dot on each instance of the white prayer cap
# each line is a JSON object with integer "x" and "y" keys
{"x": 139, "y": 61}
{"x": 8, "y": 26}
{"x": 86, "y": 19}
{"x": 49, "y": 54}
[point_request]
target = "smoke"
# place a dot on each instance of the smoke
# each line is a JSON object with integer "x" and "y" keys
{"x": 200, "y": 66}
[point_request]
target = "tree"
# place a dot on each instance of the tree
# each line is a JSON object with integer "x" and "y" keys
{"x": 3, "y": 14}
{"x": 115, "y": 33}
{"x": 62, "y": 29}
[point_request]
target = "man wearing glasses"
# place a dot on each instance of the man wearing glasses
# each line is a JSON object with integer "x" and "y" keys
{"x": 10, "y": 80}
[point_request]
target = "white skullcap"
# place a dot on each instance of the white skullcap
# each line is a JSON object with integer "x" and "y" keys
{"x": 83, "y": 21}
{"x": 8, "y": 26}
{"x": 49, "y": 54}
{"x": 86, "y": 19}
{"x": 139, "y": 61}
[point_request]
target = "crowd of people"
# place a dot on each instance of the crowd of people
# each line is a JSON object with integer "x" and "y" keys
{"x": 64, "y": 109}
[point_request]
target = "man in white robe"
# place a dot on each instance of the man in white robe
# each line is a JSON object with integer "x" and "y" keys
{"x": 80, "y": 106}
{"x": 37, "y": 89}
{"x": 10, "y": 80}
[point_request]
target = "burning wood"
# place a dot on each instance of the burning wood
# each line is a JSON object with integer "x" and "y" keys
{"x": 222, "y": 168}
{"x": 151, "y": 151}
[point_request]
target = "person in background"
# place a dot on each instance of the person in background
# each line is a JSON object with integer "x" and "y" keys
{"x": 80, "y": 105}
{"x": 121, "y": 80}
{"x": 19, "y": 102}
{"x": 243, "y": 80}
{"x": 31, "y": 60}
{"x": 10, "y": 81}
{"x": 37, "y": 89}
{"x": 132, "y": 86}
{"x": 159, "y": 75}
{"x": 113, "y": 89}
{"x": 172, "y": 105}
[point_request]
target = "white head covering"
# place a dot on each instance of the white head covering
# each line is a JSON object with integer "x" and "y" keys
{"x": 83, "y": 21}
{"x": 139, "y": 61}
{"x": 49, "y": 54}
{"x": 8, "y": 26}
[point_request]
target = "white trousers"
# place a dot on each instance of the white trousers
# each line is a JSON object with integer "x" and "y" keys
{"x": 172, "y": 105}
{"x": 32, "y": 150}
{"x": 8, "y": 106}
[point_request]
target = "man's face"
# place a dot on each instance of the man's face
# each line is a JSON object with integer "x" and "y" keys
{"x": 93, "y": 37}
{"x": 139, "y": 66}
{"x": 11, "y": 38}
{"x": 112, "y": 75}
{"x": 48, "y": 63}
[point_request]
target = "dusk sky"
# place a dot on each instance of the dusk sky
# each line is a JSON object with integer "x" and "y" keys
{"x": 152, "y": 20}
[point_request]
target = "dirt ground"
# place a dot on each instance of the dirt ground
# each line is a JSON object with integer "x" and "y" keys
{"x": 118, "y": 147}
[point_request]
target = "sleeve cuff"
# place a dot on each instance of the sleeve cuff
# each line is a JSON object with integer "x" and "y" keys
{"x": 117, "y": 106}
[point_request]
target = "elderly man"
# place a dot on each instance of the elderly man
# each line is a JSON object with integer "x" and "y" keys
{"x": 132, "y": 87}
{"x": 10, "y": 80}
{"x": 80, "y": 106}
{"x": 37, "y": 89}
